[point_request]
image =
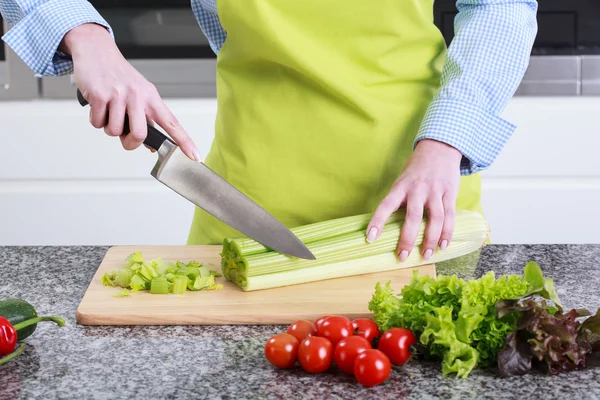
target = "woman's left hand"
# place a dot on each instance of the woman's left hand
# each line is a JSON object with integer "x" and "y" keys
{"x": 430, "y": 179}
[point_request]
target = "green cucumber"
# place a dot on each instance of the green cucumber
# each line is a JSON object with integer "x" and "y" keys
{"x": 18, "y": 311}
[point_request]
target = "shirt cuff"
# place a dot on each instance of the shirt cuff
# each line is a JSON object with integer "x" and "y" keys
{"x": 477, "y": 133}
{"x": 35, "y": 39}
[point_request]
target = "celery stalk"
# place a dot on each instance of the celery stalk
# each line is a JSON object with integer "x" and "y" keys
{"x": 344, "y": 253}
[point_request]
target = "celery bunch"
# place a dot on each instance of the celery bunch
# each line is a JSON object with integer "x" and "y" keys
{"x": 341, "y": 250}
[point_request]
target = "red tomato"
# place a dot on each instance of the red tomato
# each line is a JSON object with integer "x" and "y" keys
{"x": 335, "y": 328}
{"x": 302, "y": 329}
{"x": 282, "y": 350}
{"x": 366, "y": 328}
{"x": 346, "y": 351}
{"x": 372, "y": 367}
{"x": 395, "y": 343}
{"x": 315, "y": 354}
{"x": 319, "y": 321}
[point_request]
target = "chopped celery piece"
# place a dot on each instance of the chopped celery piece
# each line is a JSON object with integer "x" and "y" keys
{"x": 192, "y": 273}
{"x": 159, "y": 285}
{"x": 122, "y": 293}
{"x": 171, "y": 267}
{"x": 148, "y": 272}
{"x": 123, "y": 277}
{"x": 134, "y": 258}
{"x": 202, "y": 282}
{"x": 137, "y": 283}
{"x": 190, "y": 285}
{"x": 136, "y": 267}
{"x": 160, "y": 266}
{"x": 160, "y": 277}
{"x": 107, "y": 280}
{"x": 180, "y": 284}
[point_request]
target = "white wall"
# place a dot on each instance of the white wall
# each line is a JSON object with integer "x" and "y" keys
{"x": 62, "y": 182}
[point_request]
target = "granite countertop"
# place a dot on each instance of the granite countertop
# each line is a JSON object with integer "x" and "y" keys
{"x": 80, "y": 362}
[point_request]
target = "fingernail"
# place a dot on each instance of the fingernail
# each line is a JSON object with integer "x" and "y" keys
{"x": 196, "y": 155}
{"x": 428, "y": 254}
{"x": 371, "y": 235}
{"x": 403, "y": 255}
{"x": 444, "y": 244}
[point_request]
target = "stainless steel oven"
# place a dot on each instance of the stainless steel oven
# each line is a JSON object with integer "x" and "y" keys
{"x": 565, "y": 60}
{"x": 162, "y": 40}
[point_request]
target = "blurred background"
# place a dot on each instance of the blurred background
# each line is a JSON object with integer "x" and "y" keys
{"x": 62, "y": 182}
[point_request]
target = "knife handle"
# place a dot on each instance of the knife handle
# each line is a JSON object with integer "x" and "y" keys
{"x": 154, "y": 138}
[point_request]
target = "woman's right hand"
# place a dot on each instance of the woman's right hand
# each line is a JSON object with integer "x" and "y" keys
{"x": 112, "y": 86}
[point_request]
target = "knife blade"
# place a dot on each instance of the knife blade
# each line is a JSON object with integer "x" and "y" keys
{"x": 206, "y": 189}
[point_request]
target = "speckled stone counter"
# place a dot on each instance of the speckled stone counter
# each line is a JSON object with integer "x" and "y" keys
{"x": 79, "y": 362}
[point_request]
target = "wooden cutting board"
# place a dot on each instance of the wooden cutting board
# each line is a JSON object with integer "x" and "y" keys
{"x": 347, "y": 296}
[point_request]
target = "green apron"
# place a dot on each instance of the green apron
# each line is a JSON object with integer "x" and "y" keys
{"x": 319, "y": 103}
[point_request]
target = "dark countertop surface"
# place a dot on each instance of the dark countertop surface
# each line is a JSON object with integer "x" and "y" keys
{"x": 227, "y": 362}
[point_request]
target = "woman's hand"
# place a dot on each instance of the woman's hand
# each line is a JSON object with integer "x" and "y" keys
{"x": 430, "y": 180}
{"x": 112, "y": 86}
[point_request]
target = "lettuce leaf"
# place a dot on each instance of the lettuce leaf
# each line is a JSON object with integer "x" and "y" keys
{"x": 555, "y": 341}
{"x": 458, "y": 357}
{"x": 591, "y": 329}
{"x": 455, "y": 319}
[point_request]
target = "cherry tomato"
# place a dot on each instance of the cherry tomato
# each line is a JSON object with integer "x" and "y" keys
{"x": 315, "y": 354}
{"x": 372, "y": 367}
{"x": 282, "y": 350}
{"x": 335, "y": 328}
{"x": 302, "y": 329}
{"x": 346, "y": 351}
{"x": 366, "y": 328}
{"x": 319, "y": 321}
{"x": 395, "y": 343}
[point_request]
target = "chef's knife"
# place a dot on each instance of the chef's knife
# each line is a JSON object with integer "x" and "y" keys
{"x": 199, "y": 184}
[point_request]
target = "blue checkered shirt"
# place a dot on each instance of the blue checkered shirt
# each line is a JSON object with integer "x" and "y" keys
{"x": 484, "y": 66}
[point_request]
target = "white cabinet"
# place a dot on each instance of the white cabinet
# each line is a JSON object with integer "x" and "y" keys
{"x": 62, "y": 182}
{"x": 545, "y": 185}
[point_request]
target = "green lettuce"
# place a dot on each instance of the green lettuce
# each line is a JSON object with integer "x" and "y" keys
{"x": 455, "y": 319}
